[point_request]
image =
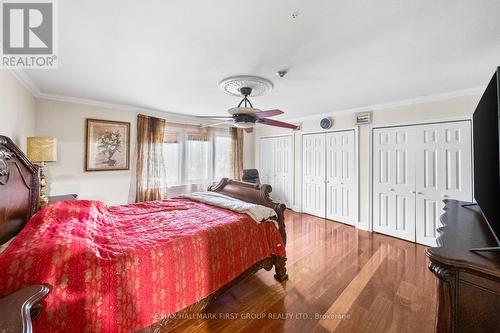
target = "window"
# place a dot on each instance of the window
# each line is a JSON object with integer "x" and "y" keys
{"x": 171, "y": 155}
{"x": 195, "y": 155}
{"x": 222, "y": 167}
{"x": 197, "y": 159}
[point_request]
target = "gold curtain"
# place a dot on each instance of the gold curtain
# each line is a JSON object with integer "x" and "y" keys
{"x": 150, "y": 170}
{"x": 236, "y": 153}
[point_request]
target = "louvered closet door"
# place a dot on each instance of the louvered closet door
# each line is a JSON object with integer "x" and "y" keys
{"x": 341, "y": 194}
{"x": 394, "y": 182}
{"x": 313, "y": 174}
{"x": 443, "y": 171}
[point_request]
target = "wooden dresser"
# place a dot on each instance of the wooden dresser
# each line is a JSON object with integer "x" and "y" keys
{"x": 468, "y": 282}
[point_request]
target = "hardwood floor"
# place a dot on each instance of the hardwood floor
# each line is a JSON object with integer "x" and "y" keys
{"x": 341, "y": 280}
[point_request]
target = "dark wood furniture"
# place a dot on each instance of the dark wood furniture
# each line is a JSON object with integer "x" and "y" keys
{"x": 19, "y": 308}
{"x": 468, "y": 282}
{"x": 19, "y": 189}
{"x": 56, "y": 198}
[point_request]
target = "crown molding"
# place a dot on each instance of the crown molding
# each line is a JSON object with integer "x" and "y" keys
{"x": 405, "y": 102}
{"x": 122, "y": 107}
{"x": 25, "y": 81}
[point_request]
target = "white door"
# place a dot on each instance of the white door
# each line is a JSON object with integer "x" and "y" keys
{"x": 276, "y": 158}
{"x": 394, "y": 182}
{"x": 283, "y": 176}
{"x": 266, "y": 161}
{"x": 443, "y": 171}
{"x": 341, "y": 193}
{"x": 313, "y": 174}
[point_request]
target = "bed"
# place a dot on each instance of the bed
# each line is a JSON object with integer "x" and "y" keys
{"x": 131, "y": 267}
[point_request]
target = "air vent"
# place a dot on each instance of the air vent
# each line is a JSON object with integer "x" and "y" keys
{"x": 363, "y": 118}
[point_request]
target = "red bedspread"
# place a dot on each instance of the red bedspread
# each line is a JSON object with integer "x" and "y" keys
{"x": 123, "y": 268}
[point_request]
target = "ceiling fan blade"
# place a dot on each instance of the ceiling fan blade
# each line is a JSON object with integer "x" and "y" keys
{"x": 217, "y": 124}
{"x": 249, "y": 130}
{"x": 276, "y": 123}
{"x": 268, "y": 113}
{"x": 215, "y": 117}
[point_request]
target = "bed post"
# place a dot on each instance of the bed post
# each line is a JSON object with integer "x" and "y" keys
{"x": 259, "y": 195}
{"x": 280, "y": 268}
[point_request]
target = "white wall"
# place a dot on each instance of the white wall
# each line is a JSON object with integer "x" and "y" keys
{"x": 17, "y": 110}
{"x": 445, "y": 109}
{"x": 66, "y": 122}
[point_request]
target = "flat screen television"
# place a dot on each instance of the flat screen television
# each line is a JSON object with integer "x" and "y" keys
{"x": 486, "y": 137}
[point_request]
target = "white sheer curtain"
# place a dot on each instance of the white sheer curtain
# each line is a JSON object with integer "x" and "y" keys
{"x": 195, "y": 157}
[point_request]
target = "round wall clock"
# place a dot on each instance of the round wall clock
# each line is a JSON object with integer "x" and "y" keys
{"x": 326, "y": 123}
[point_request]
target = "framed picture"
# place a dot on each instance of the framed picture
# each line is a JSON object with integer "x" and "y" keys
{"x": 107, "y": 145}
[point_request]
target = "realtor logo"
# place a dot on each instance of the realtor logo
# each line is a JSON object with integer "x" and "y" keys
{"x": 28, "y": 34}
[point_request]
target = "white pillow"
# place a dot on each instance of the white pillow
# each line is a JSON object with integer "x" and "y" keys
{"x": 4, "y": 246}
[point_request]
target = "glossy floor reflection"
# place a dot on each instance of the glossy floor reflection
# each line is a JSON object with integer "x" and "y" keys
{"x": 341, "y": 280}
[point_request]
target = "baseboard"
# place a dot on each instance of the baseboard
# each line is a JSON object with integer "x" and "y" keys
{"x": 362, "y": 226}
{"x": 296, "y": 209}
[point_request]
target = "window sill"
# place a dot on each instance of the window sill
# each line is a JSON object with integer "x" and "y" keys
{"x": 176, "y": 190}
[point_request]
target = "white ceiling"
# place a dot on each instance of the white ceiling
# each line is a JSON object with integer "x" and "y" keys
{"x": 170, "y": 55}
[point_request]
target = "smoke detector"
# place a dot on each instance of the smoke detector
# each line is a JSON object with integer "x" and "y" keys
{"x": 259, "y": 85}
{"x": 282, "y": 73}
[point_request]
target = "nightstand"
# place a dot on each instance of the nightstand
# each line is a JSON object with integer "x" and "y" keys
{"x": 18, "y": 309}
{"x": 56, "y": 198}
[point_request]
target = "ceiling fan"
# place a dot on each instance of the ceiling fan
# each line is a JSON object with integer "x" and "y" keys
{"x": 246, "y": 116}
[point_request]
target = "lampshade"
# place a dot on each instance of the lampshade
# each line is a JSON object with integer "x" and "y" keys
{"x": 42, "y": 149}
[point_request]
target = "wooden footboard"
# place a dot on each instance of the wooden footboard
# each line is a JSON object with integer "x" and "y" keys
{"x": 257, "y": 194}
{"x": 250, "y": 193}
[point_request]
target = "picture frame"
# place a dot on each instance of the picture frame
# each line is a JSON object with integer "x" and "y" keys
{"x": 107, "y": 145}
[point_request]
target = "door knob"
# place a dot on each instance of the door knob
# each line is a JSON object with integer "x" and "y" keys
{"x": 413, "y": 192}
{"x": 445, "y": 195}
{"x": 392, "y": 190}
{"x": 419, "y": 193}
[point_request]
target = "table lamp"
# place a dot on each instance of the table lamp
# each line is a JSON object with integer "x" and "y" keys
{"x": 40, "y": 151}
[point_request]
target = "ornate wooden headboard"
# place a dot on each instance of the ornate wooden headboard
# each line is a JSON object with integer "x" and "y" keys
{"x": 257, "y": 194}
{"x": 19, "y": 189}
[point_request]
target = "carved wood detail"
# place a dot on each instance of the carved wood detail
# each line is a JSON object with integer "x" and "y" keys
{"x": 280, "y": 268}
{"x": 447, "y": 301}
{"x": 19, "y": 189}
{"x": 5, "y": 155}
